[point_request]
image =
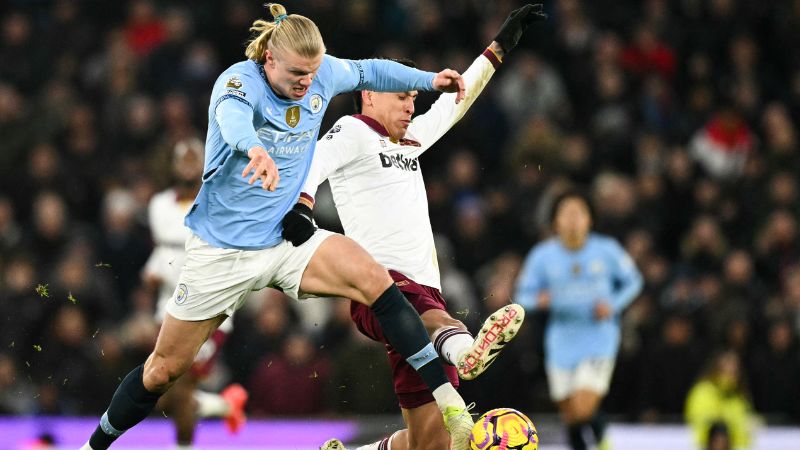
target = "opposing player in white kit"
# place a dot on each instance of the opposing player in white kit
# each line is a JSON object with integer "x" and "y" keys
{"x": 184, "y": 403}
{"x": 264, "y": 117}
{"x": 371, "y": 161}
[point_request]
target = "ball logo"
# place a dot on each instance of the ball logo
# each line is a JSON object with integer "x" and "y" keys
{"x": 181, "y": 294}
{"x": 315, "y": 103}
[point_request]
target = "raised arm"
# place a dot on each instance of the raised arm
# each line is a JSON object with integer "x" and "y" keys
{"x": 431, "y": 126}
{"x": 388, "y": 76}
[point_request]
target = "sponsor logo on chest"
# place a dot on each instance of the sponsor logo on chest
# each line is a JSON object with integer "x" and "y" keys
{"x": 399, "y": 161}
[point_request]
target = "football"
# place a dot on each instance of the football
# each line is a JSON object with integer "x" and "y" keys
{"x": 504, "y": 429}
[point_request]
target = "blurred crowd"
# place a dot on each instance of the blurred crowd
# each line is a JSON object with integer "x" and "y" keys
{"x": 678, "y": 116}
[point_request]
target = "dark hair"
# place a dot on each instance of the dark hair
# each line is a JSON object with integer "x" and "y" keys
{"x": 357, "y": 94}
{"x": 571, "y": 193}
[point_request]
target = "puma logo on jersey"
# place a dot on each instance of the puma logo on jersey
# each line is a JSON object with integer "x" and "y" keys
{"x": 399, "y": 161}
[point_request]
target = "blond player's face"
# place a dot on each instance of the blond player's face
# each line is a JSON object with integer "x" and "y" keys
{"x": 290, "y": 74}
{"x": 394, "y": 111}
{"x": 573, "y": 220}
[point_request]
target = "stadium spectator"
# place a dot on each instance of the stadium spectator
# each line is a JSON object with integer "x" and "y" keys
{"x": 774, "y": 370}
{"x": 722, "y": 146}
{"x": 291, "y": 381}
{"x": 670, "y": 366}
{"x": 647, "y": 54}
{"x": 17, "y": 396}
{"x": 720, "y": 397}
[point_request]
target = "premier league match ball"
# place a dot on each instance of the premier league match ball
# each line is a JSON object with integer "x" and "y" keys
{"x": 504, "y": 429}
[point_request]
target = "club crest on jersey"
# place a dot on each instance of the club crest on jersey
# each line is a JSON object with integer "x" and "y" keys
{"x": 315, "y": 103}
{"x": 333, "y": 130}
{"x": 181, "y": 294}
{"x": 293, "y": 116}
{"x": 234, "y": 82}
{"x": 596, "y": 267}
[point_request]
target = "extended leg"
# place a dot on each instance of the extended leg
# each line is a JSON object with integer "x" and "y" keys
{"x": 177, "y": 344}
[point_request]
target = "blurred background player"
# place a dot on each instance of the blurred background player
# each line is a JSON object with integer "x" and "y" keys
{"x": 258, "y": 111}
{"x": 184, "y": 403}
{"x": 372, "y": 162}
{"x": 585, "y": 280}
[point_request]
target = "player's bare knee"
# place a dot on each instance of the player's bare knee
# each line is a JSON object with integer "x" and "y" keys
{"x": 582, "y": 412}
{"x": 156, "y": 377}
{"x": 373, "y": 282}
{"x": 160, "y": 373}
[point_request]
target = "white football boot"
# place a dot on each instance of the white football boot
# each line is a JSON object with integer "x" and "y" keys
{"x": 498, "y": 329}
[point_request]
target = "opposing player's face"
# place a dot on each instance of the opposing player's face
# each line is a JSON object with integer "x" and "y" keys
{"x": 394, "y": 110}
{"x": 573, "y": 220}
{"x": 290, "y": 74}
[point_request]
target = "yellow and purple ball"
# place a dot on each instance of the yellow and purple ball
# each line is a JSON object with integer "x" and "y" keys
{"x": 504, "y": 429}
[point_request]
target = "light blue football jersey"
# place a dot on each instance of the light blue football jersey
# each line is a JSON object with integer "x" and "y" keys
{"x": 245, "y": 112}
{"x": 576, "y": 280}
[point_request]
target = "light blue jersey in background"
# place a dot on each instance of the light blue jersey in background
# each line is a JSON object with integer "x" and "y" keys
{"x": 245, "y": 112}
{"x": 576, "y": 281}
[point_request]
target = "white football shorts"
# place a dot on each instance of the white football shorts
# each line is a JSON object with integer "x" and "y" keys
{"x": 591, "y": 374}
{"x": 216, "y": 281}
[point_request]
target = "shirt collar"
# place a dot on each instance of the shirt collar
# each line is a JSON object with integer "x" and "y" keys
{"x": 372, "y": 123}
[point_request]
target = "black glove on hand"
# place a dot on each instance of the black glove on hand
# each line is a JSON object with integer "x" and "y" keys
{"x": 516, "y": 23}
{"x": 298, "y": 225}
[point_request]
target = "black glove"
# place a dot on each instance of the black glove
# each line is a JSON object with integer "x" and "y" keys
{"x": 516, "y": 23}
{"x": 298, "y": 225}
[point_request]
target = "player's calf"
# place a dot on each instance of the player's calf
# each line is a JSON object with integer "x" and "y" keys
{"x": 131, "y": 403}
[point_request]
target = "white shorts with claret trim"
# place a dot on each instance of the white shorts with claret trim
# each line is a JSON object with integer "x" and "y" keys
{"x": 591, "y": 375}
{"x": 215, "y": 281}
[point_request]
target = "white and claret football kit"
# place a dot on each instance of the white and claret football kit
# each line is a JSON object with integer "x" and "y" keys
{"x": 379, "y": 192}
{"x": 377, "y": 183}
